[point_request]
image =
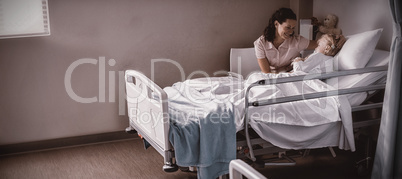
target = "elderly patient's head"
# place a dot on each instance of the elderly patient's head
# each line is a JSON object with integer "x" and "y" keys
{"x": 330, "y": 44}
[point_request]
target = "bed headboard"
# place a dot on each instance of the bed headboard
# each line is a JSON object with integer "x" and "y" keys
{"x": 243, "y": 61}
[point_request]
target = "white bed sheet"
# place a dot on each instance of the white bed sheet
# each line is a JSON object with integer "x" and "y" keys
{"x": 313, "y": 123}
{"x": 320, "y": 115}
{"x": 324, "y": 110}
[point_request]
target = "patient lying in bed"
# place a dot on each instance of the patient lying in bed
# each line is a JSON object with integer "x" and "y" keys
{"x": 321, "y": 61}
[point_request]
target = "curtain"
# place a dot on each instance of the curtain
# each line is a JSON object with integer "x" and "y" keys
{"x": 388, "y": 157}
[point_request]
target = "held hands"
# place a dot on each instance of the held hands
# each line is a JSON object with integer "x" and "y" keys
{"x": 297, "y": 59}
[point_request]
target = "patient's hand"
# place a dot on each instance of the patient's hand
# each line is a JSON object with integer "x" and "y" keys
{"x": 298, "y": 59}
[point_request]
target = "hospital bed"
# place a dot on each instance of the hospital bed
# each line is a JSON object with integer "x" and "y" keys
{"x": 149, "y": 108}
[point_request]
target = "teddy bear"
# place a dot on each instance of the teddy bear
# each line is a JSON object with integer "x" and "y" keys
{"x": 329, "y": 26}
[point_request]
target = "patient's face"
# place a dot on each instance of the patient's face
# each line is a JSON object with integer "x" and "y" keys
{"x": 322, "y": 45}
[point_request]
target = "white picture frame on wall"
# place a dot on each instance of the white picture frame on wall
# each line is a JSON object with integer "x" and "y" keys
{"x": 24, "y": 18}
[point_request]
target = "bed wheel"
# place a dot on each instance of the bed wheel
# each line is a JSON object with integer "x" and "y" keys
{"x": 170, "y": 167}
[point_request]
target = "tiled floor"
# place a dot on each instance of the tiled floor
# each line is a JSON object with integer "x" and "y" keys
{"x": 128, "y": 159}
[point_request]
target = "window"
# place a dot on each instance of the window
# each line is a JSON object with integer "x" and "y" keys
{"x": 24, "y": 18}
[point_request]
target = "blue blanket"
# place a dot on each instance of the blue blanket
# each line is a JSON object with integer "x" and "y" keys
{"x": 202, "y": 131}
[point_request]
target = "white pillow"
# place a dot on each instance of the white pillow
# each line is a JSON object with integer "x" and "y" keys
{"x": 357, "y": 50}
{"x": 379, "y": 58}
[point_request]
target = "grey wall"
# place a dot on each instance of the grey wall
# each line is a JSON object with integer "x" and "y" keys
{"x": 357, "y": 16}
{"x": 34, "y": 102}
{"x": 303, "y": 10}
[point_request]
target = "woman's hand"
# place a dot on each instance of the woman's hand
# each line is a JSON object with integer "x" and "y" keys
{"x": 298, "y": 59}
{"x": 264, "y": 65}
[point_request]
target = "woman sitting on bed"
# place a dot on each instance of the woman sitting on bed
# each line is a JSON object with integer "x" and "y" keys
{"x": 278, "y": 45}
{"x": 321, "y": 61}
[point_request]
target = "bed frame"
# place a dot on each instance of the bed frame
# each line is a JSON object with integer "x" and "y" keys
{"x": 148, "y": 112}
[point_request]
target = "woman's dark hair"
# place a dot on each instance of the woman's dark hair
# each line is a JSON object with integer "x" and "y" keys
{"x": 281, "y": 16}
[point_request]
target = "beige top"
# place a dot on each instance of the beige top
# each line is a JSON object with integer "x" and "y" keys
{"x": 282, "y": 57}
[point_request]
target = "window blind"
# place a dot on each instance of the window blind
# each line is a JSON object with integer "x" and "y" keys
{"x": 24, "y": 18}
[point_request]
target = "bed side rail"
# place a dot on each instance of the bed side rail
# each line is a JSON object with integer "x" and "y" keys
{"x": 321, "y": 76}
{"x": 318, "y": 94}
{"x": 311, "y": 95}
